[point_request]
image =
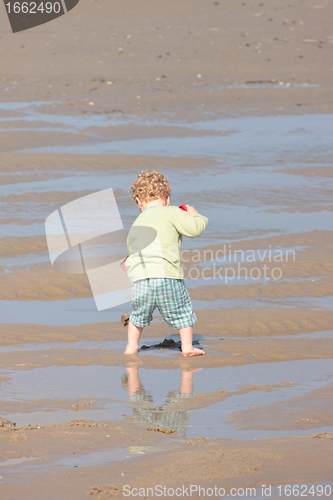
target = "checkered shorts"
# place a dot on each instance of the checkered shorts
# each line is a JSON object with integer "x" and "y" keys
{"x": 171, "y": 298}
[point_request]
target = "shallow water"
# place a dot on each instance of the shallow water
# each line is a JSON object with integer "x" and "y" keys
{"x": 26, "y": 466}
{"x": 239, "y": 206}
{"x": 235, "y": 193}
{"x": 313, "y": 335}
{"x": 58, "y": 312}
{"x": 119, "y": 345}
{"x": 160, "y": 388}
{"x": 250, "y": 141}
{"x": 14, "y": 263}
{"x": 81, "y": 311}
{"x": 275, "y": 85}
{"x": 111, "y": 345}
{"x": 24, "y": 261}
{"x": 245, "y": 194}
{"x": 20, "y": 469}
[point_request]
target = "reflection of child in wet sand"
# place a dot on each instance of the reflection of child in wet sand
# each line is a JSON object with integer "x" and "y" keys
{"x": 144, "y": 409}
{"x": 135, "y": 386}
{"x": 157, "y": 278}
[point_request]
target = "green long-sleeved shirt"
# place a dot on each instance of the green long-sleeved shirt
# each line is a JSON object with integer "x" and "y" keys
{"x": 154, "y": 242}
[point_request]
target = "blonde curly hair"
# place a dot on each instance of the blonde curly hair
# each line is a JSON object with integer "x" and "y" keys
{"x": 150, "y": 185}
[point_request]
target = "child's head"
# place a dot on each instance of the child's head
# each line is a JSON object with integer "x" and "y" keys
{"x": 150, "y": 185}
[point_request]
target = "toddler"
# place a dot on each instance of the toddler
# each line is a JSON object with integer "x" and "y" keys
{"x": 153, "y": 263}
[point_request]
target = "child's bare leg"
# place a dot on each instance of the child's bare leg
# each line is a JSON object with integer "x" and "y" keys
{"x": 133, "y": 333}
{"x": 186, "y": 337}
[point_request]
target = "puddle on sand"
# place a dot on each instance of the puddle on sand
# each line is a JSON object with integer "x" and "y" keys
{"x": 58, "y": 312}
{"x": 308, "y": 302}
{"x": 240, "y": 197}
{"x": 46, "y": 464}
{"x": 254, "y": 141}
{"x": 266, "y": 85}
{"x": 319, "y": 303}
{"x": 116, "y": 386}
{"x": 14, "y": 106}
{"x": 23, "y": 261}
{"x": 82, "y": 311}
{"x": 314, "y": 335}
{"x": 29, "y": 114}
{"x": 270, "y": 141}
{"x": 230, "y": 280}
{"x": 110, "y": 345}
{"x": 119, "y": 345}
{"x": 16, "y": 461}
{"x": 15, "y": 263}
{"x": 70, "y": 183}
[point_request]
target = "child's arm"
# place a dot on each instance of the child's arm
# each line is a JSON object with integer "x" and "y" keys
{"x": 191, "y": 210}
{"x": 190, "y": 223}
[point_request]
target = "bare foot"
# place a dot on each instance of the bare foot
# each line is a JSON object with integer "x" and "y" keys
{"x": 193, "y": 352}
{"x": 131, "y": 350}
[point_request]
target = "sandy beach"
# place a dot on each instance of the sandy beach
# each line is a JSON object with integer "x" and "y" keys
{"x": 233, "y": 102}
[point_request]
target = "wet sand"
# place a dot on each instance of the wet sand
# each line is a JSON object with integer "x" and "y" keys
{"x": 154, "y": 458}
{"x": 154, "y": 54}
{"x": 233, "y": 102}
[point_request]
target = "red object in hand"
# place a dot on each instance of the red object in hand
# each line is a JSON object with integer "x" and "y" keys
{"x": 182, "y": 207}
{"x": 122, "y": 264}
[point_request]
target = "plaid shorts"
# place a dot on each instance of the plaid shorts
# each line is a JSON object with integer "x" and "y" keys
{"x": 171, "y": 298}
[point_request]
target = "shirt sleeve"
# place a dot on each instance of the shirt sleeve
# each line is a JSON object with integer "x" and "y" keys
{"x": 190, "y": 225}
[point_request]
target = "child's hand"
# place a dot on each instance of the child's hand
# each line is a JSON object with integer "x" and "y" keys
{"x": 191, "y": 210}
